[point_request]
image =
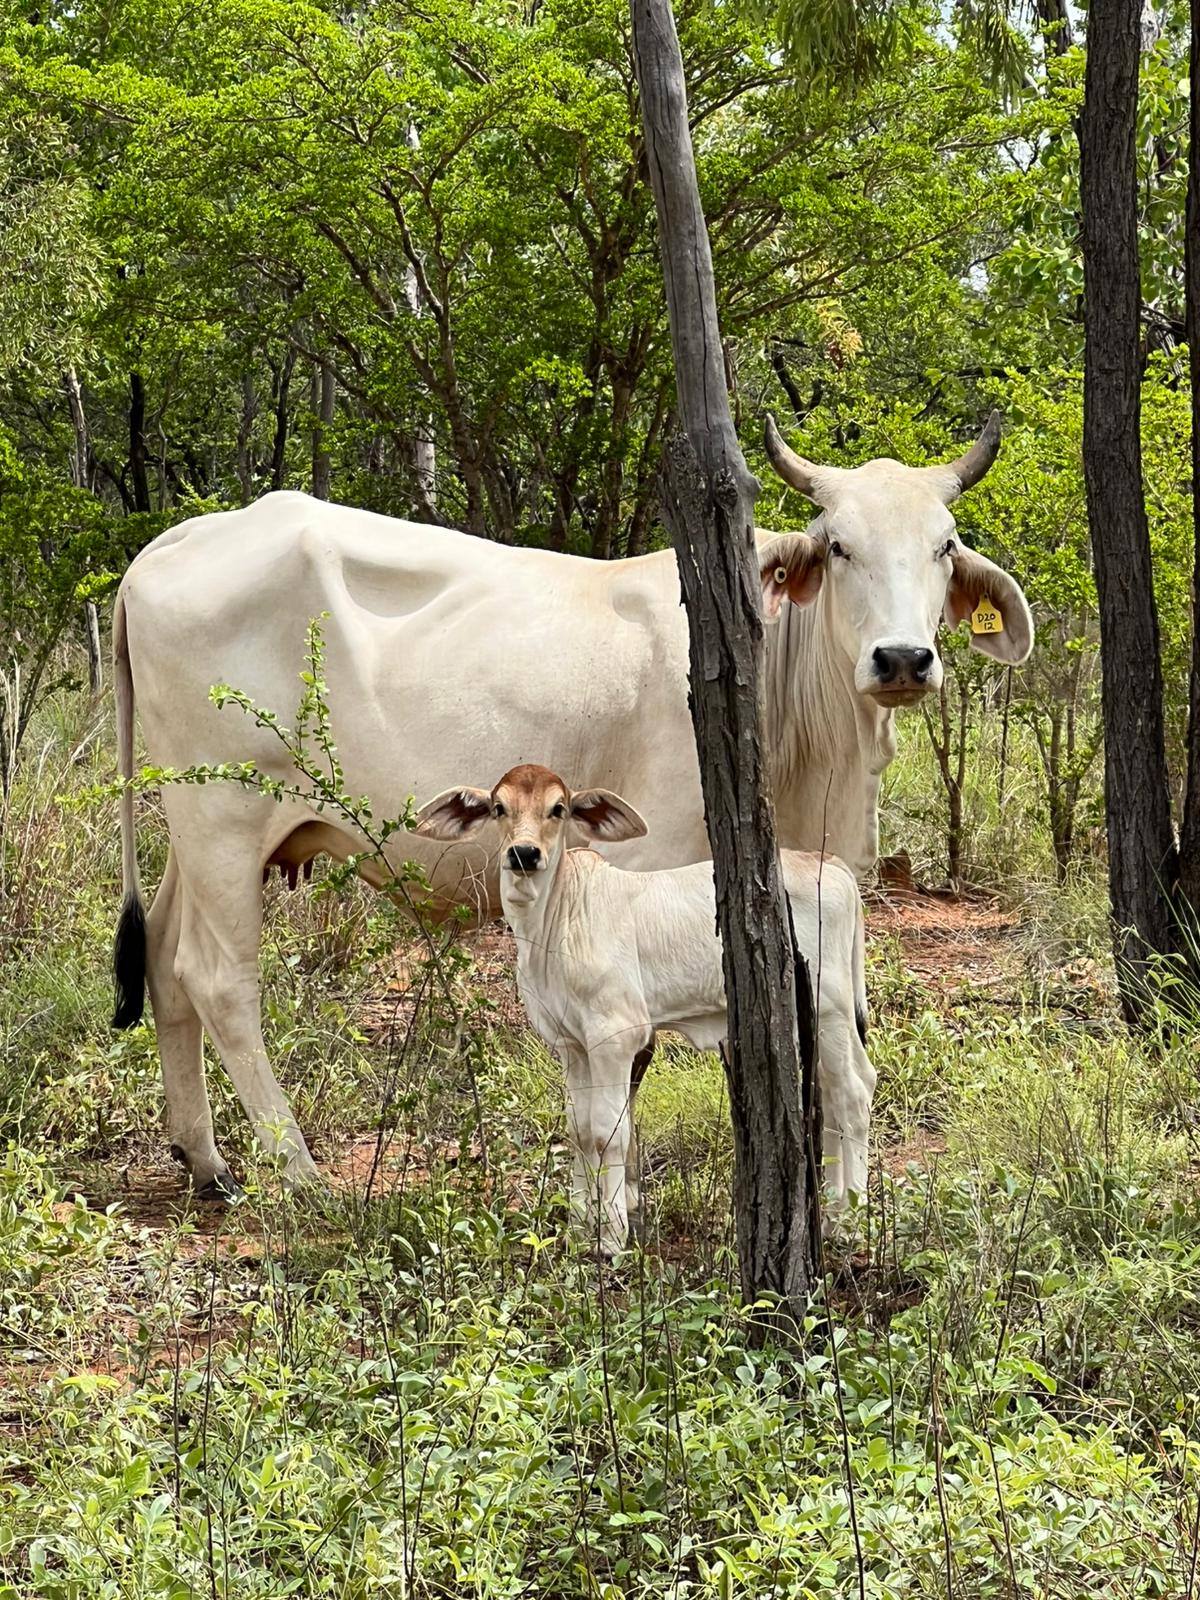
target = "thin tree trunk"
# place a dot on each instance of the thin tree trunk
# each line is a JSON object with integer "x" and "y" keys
{"x": 1002, "y": 778}
{"x": 79, "y": 477}
{"x": 245, "y": 438}
{"x": 1054, "y": 20}
{"x": 279, "y": 443}
{"x": 424, "y": 456}
{"x": 1141, "y": 848}
{"x": 137, "y": 442}
{"x": 958, "y": 788}
{"x": 323, "y": 396}
{"x": 1189, "y": 836}
{"x": 708, "y": 504}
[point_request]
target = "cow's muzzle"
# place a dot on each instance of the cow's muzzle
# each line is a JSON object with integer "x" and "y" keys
{"x": 899, "y": 674}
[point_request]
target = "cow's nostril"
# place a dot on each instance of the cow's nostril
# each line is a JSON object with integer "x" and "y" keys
{"x": 885, "y": 663}
{"x": 524, "y": 857}
{"x": 922, "y": 661}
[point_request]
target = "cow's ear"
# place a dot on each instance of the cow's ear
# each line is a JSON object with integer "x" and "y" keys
{"x": 975, "y": 579}
{"x": 600, "y": 814}
{"x": 791, "y": 566}
{"x": 455, "y": 814}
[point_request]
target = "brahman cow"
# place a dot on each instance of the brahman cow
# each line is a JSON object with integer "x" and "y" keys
{"x": 605, "y": 957}
{"x": 443, "y": 648}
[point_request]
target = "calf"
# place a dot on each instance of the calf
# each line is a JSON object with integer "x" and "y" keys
{"x": 605, "y": 957}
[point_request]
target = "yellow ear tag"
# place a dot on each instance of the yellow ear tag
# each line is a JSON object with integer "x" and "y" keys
{"x": 986, "y": 618}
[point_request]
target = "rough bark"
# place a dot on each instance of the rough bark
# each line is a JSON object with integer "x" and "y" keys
{"x": 80, "y": 456}
{"x": 708, "y": 505}
{"x": 1189, "y": 838}
{"x": 1142, "y": 858}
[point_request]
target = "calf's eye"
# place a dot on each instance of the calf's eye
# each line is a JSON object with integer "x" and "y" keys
{"x": 947, "y": 549}
{"x": 781, "y": 575}
{"x": 835, "y": 549}
{"x": 559, "y": 810}
{"x": 497, "y": 809}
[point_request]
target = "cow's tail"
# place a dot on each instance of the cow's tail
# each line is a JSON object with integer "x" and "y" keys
{"x": 860, "y": 964}
{"x": 129, "y": 946}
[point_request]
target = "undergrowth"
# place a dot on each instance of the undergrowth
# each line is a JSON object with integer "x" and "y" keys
{"x": 426, "y": 1388}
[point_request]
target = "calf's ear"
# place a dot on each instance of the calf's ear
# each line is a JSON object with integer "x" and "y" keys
{"x": 454, "y": 814}
{"x": 790, "y": 566}
{"x": 975, "y": 578}
{"x": 600, "y": 814}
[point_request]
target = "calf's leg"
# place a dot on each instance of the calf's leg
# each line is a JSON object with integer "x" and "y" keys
{"x": 847, "y": 1081}
{"x": 598, "y": 1116}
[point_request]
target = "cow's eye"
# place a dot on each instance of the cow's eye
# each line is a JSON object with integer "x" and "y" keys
{"x": 559, "y": 810}
{"x": 497, "y": 809}
{"x": 946, "y": 550}
{"x": 835, "y": 549}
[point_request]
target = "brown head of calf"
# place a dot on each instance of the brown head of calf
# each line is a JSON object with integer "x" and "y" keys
{"x": 534, "y": 811}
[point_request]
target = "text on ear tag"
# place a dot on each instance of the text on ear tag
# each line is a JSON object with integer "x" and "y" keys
{"x": 986, "y": 618}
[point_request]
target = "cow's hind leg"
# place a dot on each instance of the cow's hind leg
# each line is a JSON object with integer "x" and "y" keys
{"x": 181, "y": 1048}
{"x": 217, "y": 963}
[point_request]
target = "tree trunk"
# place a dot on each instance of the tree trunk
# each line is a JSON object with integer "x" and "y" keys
{"x": 1189, "y": 834}
{"x": 279, "y": 443}
{"x": 1054, "y": 21}
{"x": 708, "y": 505}
{"x": 137, "y": 442}
{"x": 424, "y": 456}
{"x": 323, "y": 395}
{"x": 1141, "y": 848}
{"x": 952, "y": 768}
{"x": 245, "y": 438}
{"x": 79, "y": 477}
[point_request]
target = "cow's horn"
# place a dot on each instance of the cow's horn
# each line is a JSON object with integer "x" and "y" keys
{"x": 969, "y": 468}
{"x": 793, "y": 469}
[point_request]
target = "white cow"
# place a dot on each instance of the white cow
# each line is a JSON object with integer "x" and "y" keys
{"x": 441, "y": 647}
{"x": 605, "y": 957}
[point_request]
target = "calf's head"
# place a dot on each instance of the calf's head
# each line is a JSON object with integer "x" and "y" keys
{"x": 533, "y": 812}
{"x": 888, "y": 564}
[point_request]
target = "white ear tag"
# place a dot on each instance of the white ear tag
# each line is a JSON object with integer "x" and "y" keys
{"x": 986, "y": 618}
